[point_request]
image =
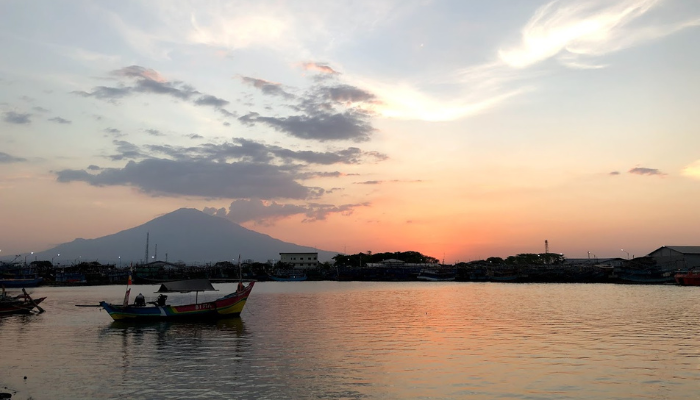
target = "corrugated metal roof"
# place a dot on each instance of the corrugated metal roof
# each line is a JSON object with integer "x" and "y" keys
{"x": 682, "y": 249}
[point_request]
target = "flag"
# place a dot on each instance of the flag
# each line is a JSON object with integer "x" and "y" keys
{"x": 126, "y": 297}
{"x": 128, "y": 281}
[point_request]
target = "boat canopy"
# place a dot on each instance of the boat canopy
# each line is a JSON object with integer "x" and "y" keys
{"x": 192, "y": 285}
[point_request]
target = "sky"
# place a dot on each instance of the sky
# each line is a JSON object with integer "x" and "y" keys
{"x": 459, "y": 129}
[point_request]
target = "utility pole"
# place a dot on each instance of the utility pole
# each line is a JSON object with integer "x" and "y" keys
{"x": 145, "y": 260}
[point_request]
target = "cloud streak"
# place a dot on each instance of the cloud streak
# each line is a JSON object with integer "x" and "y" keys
{"x": 268, "y": 88}
{"x": 149, "y": 81}
{"x": 692, "y": 170}
{"x": 239, "y": 169}
{"x": 17, "y": 118}
{"x": 269, "y": 212}
{"x": 573, "y": 30}
{"x": 59, "y": 120}
{"x": 646, "y": 171}
{"x": 163, "y": 177}
{"x": 320, "y": 68}
{"x": 9, "y": 159}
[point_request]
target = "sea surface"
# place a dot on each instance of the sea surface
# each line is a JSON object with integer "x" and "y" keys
{"x": 367, "y": 340}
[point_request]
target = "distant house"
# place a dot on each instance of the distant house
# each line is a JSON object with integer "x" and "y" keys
{"x": 677, "y": 256}
{"x": 300, "y": 260}
{"x": 392, "y": 262}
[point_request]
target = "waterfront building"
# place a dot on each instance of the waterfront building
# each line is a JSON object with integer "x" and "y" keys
{"x": 677, "y": 257}
{"x": 300, "y": 260}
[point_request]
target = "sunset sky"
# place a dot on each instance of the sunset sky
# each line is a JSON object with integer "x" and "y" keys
{"x": 460, "y": 129}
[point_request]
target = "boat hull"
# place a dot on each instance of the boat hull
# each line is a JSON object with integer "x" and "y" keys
{"x": 17, "y": 306}
{"x": 227, "y": 306}
{"x": 688, "y": 279}
{"x": 434, "y": 275}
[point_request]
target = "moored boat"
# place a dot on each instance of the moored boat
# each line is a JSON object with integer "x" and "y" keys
{"x": 230, "y": 305}
{"x": 288, "y": 276}
{"x": 20, "y": 304}
{"x": 21, "y": 282}
{"x": 690, "y": 278}
{"x": 437, "y": 275}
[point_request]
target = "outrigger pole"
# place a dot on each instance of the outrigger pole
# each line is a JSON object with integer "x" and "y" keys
{"x": 26, "y": 295}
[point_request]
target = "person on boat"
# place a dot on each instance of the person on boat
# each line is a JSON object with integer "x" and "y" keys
{"x": 240, "y": 286}
{"x": 161, "y": 300}
{"x": 140, "y": 301}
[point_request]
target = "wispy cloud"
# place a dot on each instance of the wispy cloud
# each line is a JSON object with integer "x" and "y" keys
{"x": 389, "y": 181}
{"x": 268, "y": 212}
{"x": 113, "y": 132}
{"x": 269, "y": 88}
{"x": 8, "y": 159}
{"x": 241, "y": 169}
{"x": 59, "y": 120}
{"x": 646, "y": 171}
{"x": 154, "y": 132}
{"x": 324, "y": 112}
{"x": 163, "y": 177}
{"x": 17, "y": 118}
{"x": 321, "y": 68}
{"x": 575, "y": 29}
{"x": 575, "y": 32}
{"x": 148, "y": 81}
{"x": 136, "y": 71}
{"x": 692, "y": 170}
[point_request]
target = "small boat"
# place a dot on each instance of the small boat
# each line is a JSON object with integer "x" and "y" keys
{"x": 646, "y": 276}
{"x": 230, "y": 305}
{"x": 20, "y": 304}
{"x": 288, "y": 276}
{"x": 435, "y": 275}
{"x": 690, "y": 278}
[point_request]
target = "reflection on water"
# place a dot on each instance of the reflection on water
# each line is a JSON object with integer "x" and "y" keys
{"x": 225, "y": 324}
{"x": 351, "y": 340}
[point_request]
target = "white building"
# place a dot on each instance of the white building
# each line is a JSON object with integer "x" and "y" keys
{"x": 300, "y": 260}
{"x": 677, "y": 256}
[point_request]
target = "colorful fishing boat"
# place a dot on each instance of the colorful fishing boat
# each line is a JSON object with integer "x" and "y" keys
{"x": 230, "y": 305}
{"x": 690, "y": 278}
{"x": 20, "y": 304}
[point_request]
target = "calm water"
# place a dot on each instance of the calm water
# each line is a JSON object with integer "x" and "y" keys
{"x": 361, "y": 340}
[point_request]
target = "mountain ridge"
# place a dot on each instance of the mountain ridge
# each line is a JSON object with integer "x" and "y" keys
{"x": 184, "y": 235}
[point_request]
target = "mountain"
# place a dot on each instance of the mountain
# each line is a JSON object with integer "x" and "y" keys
{"x": 186, "y": 235}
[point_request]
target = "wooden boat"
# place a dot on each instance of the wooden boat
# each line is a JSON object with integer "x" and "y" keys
{"x": 230, "y": 305}
{"x": 690, "y": 278}
{"x": 437, "y": 275}
{"x": 20, "y": 304}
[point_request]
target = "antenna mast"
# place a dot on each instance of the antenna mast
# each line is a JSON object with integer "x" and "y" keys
{"x": 146, "y": 259}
